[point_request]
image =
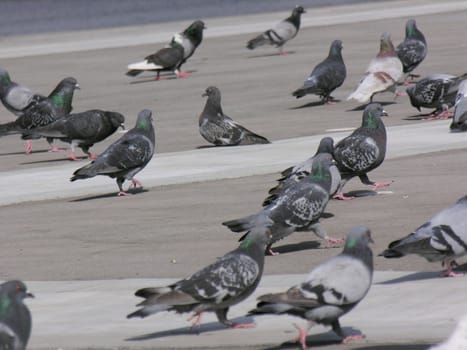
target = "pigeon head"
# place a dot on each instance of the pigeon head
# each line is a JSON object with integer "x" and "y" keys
{"x": 320, "y": 172}
{"x": 213, "y": 94}
{"x": 14, "y": 290}
{"x": 195, "y": 30}
{"x": 62, "y": 95}
{"x": 298, "y": 10}
{"x": 372, "y": 116}
{"x": 144, "y": 120}
{"x": 257, "y": 237}
{"x": 411, "y": 30}
{"x": 413, "y": 99}
{"x": 336, "y": 48}
{"x": 326, "y": 145}
{"x": 386, "y": 46}
{"x": 116, "y": 119}
{"x": 4, "y": 77}
{"x": 356, "y": 244}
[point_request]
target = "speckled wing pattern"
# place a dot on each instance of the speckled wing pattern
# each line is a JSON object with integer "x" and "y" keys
{"x": 411, "y": 52}
{"x": 357, "y": 153}
{"x": 221, "y": 130}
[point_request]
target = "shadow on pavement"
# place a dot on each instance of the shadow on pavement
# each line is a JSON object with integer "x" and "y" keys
{"x": 362, "y": 107}
{"x": 296, "y": 247}
{"x": 417, "y": 276}
{"x": 109, "y": 195}
{"x": 271, "y": 54}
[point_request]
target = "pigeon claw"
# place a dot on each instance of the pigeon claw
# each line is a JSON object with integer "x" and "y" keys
{"x": 342, "y": 197}
{"x": 92, "y": 156}
{"x": 197, "y": 321}
{"x": 72, "y": 156}
{"x": 242, "y": 325}
{"x": 54, "y": 148}
{"x": 450, "y": 273}
{"x": 333, "y": 242}
{"x": 182, "y": 74}
{"x": 28, "y": 147}
{"x": 123, "y": 194}
{"x": 301, "y": 336}
{"x": 377, "y": 185}
{"x": 135, "y": 183}
{"x": 349, "y": 338}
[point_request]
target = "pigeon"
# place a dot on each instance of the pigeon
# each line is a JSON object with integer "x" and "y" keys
{"x": 226, "y": 282}
{"x": 326, "y": 76}
{"x": 297, "y": 208}
{"x": 15, "y": 318}
{"x": 436, "y": 91}
{"x": 457, "y": 340}
{"x": 190, "y": 39}
{"x": 83, "y": 129}
{"x": 166, "y": 59}
{"x": 58, "y": 104}
{"x": 330, "y": 290}
{"x": 363, "y": 150}
{"x": 294, "y": 174}
{"x": 127, "y": 156}
{"x": 382, "y": 74}
{"x": 413, "y": 49}
{"x": 459, "y": 121}
{"x": 219, "y": 129}
{"x": 443, "y": 238}
{"x": 281, "y": 33}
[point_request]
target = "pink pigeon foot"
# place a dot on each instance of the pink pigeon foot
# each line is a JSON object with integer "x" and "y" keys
{"x": 301, "y": 336}
{"x": 54, "y": 148}
{"x": 377, "y": 185}
{"x": 342, "y": 197}
{"x": 283, "y": 53}
{"x": 135, "y": 183}
{"x": 28, "y": 147}
{"x": 183, "y": 74}
{"x": 353, "y": 337}
{"x": 333, "y": 242}
{"x": 450, "y": 273}
{"x": 72, "y": 156}
{"x": 399, "y": 94}
{"x": 242, "y": 325}
{"x": 330, "y": 103}
{"x": 271, "y": 252}
{"x": 123, "y": 194}
{"x": 92, "y": 156}
{"x": 440, "y": 116}
{"x": 197, "y": 321}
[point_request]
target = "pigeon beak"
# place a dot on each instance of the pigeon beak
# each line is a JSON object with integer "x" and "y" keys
{"x": 77, "y": 87}
{"x": 29, "y": 295}
{"x": 204, "y": 94}
{"x": 384, "y": 113}
{"x": 122, "y": 126}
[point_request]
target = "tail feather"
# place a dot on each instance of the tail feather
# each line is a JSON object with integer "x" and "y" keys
{"x": 250, "y": 138}
{"x": 85, "y": 172}
{"x": 240, "y": 225}
{"x": 9, "y": 129}
{"x": 151, "y": 291}
{"x": 265, "y": 307}
{"x": 149, "y": 310}
{"x": 257, "y": 41}
{"x": 133, "y": 72}
{"x": 299, "y": 93}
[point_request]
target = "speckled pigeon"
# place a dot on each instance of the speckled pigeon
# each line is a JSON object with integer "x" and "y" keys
{"x": 219, "y": 129}
{"x": 326, "y": 76}
{"x": 443, "y": 238}
{"x": 15, "y": 318}
{"x": 331, "y": 289}
{"x": 459, "y": 121}
{"x": 125, "y": 157}
{"x": 413, "y": 49}
{"x": 281, "y": 33}
{"x": 215, "y": 288}
{"x": 363, "y": 150}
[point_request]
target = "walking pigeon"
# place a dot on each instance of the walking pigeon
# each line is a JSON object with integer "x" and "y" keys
{"x": 190, "y": 39}
{"x": 297, "y": 208}
{"x": 294, "y": 174}
{"x": 330, "y": 290}
{"x": 326, "y": 76}
{"x": 281, "y": 33}
{"x": 443, "y": 238}
{"x": 219, "y": 129}
{"x": 459, "y": 122}
{"x": 382, "y": 74}
{"x": 363, "y": 150}
{"x": 436, "y": 91}
{"x": 58, "y": 104}
{"x": 215, "y": 288}
{"x": 125, "y": 157}
{"x": 413, "y": 49}
{"x": 83, "y": 129}
{"x": 15, "y": 318}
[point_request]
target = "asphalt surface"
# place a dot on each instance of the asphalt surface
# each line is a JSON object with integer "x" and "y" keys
{"x": 68, "y": 242}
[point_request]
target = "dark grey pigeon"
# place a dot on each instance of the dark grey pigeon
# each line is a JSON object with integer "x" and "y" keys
{"x": 215, "y": 288}
{"x": 297, "y": 208}
{"x": 58, "y": 104}
{"x": 15, "y": 318}
{"x": 436, "y": 91}
{"x": 326, "y": 76}
{"x": 459, "y": 121}
{"x": 443, "y": 238}
{"x": 281, "y": 33}
{"x": 363, "y": 150}
{"x": 166, "y": 59}
{"x": 331, "y": 289}
{"x": 294, "y": 174}
{"x": 126, "y": 157}
{"x": 413, "y": 49}
{"x": 221, "y": 130}
{"x": 83, "y": 129}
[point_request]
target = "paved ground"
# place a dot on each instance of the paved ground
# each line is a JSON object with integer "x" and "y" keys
{"x": 70, "y": 249}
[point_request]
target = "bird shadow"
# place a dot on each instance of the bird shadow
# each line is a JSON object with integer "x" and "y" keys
{"x": 203, "y": 328}
{"x": 206, "y": 146}
{"x": 22, "y": 153}
{"x": 108, "y": 195}
{"x": 313, "y": 104}
{"x": 417, "y": 117}
{"x": 326, "y": 215}
{"x": 52, "y": 161}
{"x": 362, "y": 107}
{"x": 162, "y": 76}
{"x": 271, "y": 54}
{"x": 296, "y": 247}
{"x": 360, "y": 193}
{"x": 394, "y": 347}
{"x": 416, "y": 276}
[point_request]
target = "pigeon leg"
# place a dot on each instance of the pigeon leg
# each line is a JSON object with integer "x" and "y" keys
{"x": 86, "y": 150}
{"x": 135, "y": 183}
{"x": 336, "y": 327}
{"x": 449, "y": 271}
{"x": 271, "y": 252}
{"x": 222, "y": 317}
{"x": 182, "y": 74}
{"x": 321, "y": 233}
{"x": 28, "y": 147}
{"x": 339, "y": 194}
{"x": 120, "y": 181}
{"x": 366, "y": 181}
{"x": 198, "y": 317}
{"x": 301, "y": 336}
{"x": 53, "y": 148}
{"x": 72, "y": 156}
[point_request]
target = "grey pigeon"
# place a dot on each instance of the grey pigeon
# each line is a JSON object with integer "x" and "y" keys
{"x": 83, "y": 129}
{"x": 331, "y": 289}
{"x": 15, "y": 318}
{"x": 221, "y": 130}
{"x": 127, "y": 156}
{"x": 442, "y": 238}
{"x": 281, "y": 33}
{"x": 166, "y": 59}
{"x": 382, "y": 74}
{"x": 363, "y": 150}
{"x": 326, "y": 76}
{"x": 459, "y": 121}
{"x": 190, "y": 39}
{"x": 297, "y": 208}
{"x": 58, "y": 104}
{"x": 294, "y": 174}
{"x": 436, "y": 91}
{"x": 215, "y": 288}
{"x": 413, "y": 49}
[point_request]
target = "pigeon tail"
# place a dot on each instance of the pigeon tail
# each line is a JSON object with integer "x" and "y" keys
{"x": 250, "y": 138}
{"x": 299, "y": 93}
{"x": 151, "y": 291}
{"x": 87, "y": 171}
{"x": 242, "y": 224}
{"x": 9, "y": 129}
{"x": 261, "y": 39}
{"x": 133, "y": 72}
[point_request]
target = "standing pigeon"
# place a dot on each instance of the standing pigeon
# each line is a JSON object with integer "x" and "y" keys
{"x": 226, "y": 282}
{"x": 297, "y": 208}
{"x": 281, "y": 33}
{"x": 331, "y": 289}
{"x": 459, "y": 122}
{"x": 436, "y": 91}
{"x": 15, "y": 318}
{"x": 443, "y": 238}
{"x": 125, "y": 157}
{"x": 219, "y": 129}
{"x": 382, "y": 74}
{"x": 190, "y": 39}
{"x": 326, "y": 76}
{"x": 58, "y": 104}
{"x": 413, "y": 49}
{"x": 294, "y": 174}
{"x": 363, "y": 150}
{"x": 83, "y": 129}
